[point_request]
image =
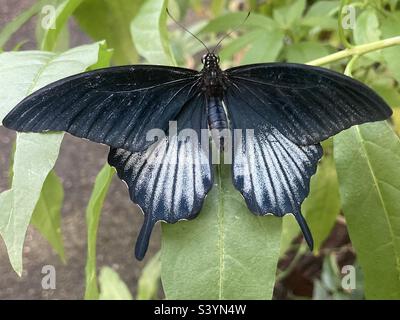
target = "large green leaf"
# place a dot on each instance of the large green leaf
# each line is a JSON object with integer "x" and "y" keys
{"x": 232, "y": 48}
{"x": 290, "y": 229}
{"x": 110, "y": 20}
{"x": 323, "y": 203}
{"x": 287, "y": 15}
{"x": 93, "y": 212}
{"x": 149, "y": 31}
{"x": 368, "y": 161}
{"x": 112, "y": 287}
{"x": 367, "y": 30}
{"x": 225, "y": 253}
{"x": 47, "y": 215}
{"x": 35, "y": 155}
{"x": 305, "y": 51}
{"x": 320, "y": 15}
{"x": 259, "y": 52}
{"x": 63, "y": 12}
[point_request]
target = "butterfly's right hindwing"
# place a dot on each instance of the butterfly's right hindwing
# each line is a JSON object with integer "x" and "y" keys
{"x": 170, "y": 180}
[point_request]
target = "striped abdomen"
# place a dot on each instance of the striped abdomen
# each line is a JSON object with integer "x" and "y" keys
{"x": 216, "y": 114}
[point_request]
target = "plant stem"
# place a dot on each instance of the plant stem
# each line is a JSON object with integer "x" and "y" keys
{"x": 282, "y": 275}
{"x": 357, "y": 50}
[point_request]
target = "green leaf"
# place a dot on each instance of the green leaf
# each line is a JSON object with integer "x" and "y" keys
{"x": 23, "y": 73}
{"x": 47, "y": 215}
{"x": 259, "y": 52}
{"x": 320, "y": 15}
{"x": 149, "y": 31}
{"x": 323, "y": 203}
{"x": 367, "y": 30}
{"x": 322, "y": 9}
{"x": 232, "y": 48}
{"x": 148, "y": 284}
{"x": 390, "y": 28}
{"x": 18, "y": 22}
{"x": 287, "y": 15}
{"x": 330, "y": 273}
{"x": 110, "y": 20}
{"x": 368, "y": 161}
{"x": 232, "y": 20}
{"x": 305, "y": 51}
{"x": 388, "y": 90}
{"x": 63, "y": 12}
{"x": 93, "y": 212}
{"x": 112, "y": 287}
{"x": 225, "y": 253}
{"x": 290, "y": 229}
{"x": 217, "y": 6}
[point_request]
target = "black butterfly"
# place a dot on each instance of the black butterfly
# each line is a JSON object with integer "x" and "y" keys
{"x": 290, "y": 107}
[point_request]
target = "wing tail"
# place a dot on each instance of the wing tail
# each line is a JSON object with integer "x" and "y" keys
{"x": 305, "y": 230}
{"x": 142, "y": 242}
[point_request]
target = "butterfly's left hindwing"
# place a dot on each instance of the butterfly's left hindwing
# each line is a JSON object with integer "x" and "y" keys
{"x": 290, "y": 108}
{"x": 170, "y": 180}
{"x": 272, "y": 173}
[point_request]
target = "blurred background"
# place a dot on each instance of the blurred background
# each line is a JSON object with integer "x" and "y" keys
{"x": 303, "y": 33}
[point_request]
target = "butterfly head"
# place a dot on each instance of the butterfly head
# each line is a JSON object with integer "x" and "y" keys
{"x": 210, "y": 60}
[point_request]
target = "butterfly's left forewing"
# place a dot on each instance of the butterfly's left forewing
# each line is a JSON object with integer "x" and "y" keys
{"x": 170, "y": 180}
{"x": 307, "y": 104}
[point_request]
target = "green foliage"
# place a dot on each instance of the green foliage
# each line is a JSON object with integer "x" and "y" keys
{"x": 63, "y": 12}
{"x": 367, "y": 160}
{"x": 112, "y": 287}
{"x": 47, "y": 214}
{"x": 148, "y": 284}
{"x": 228, "y": 252}
{"x": 18, "y": 22}
{"x": 35, "y": 155}
{"x": 390, "y": 28}
{"x": 110, "y": 20}
{"x": 150, "y": 23}
{"x": 323, "y": 203}
{"x": 93, "y": 211}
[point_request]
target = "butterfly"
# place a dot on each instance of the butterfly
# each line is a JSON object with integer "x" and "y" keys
{"x": 289, "y": 108}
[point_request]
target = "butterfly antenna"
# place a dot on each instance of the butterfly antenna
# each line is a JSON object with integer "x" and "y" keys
{"x": 230, "y": 32}
{"x": 184, "y": 28}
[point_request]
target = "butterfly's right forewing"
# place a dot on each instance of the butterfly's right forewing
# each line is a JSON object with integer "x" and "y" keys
{"x": 115, "y": 106}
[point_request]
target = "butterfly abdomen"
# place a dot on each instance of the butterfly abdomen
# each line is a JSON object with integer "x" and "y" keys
{"x": 216, "y": 114}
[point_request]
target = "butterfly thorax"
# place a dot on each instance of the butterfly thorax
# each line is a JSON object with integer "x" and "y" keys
{"x": 213, "y": 84}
